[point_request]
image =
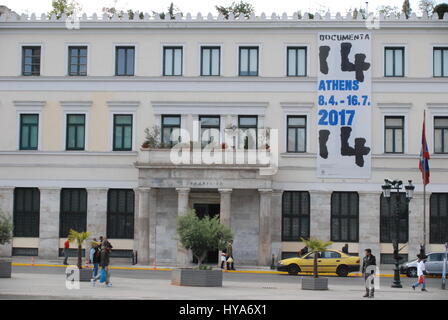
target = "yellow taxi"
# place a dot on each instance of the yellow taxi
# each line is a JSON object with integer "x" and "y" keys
{"x": 328, "y": 261}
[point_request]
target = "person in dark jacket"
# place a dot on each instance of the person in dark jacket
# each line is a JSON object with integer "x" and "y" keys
{"x": 368, "y": 261}
{"x": 345, "y": 248}
{"x": 106, "y": 247}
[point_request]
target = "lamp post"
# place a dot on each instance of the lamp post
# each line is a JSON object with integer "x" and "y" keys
{"x": 397, "y": 185}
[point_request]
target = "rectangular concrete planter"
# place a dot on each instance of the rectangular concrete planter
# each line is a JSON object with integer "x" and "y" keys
{"x": 5, "y": 268}
{"x": 196, "y": 278}
{"x": 311, "y": 283}
{"x": 85, "y": 274}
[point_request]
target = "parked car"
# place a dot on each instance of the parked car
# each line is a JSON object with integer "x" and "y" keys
{"x": 433, "y": 264}
{"x": 329, "y": 261}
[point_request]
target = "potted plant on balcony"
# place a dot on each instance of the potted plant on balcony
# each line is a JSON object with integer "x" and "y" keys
{"x": 200, "y": 236}
{"x": 315, "y": 283}
{"x": 5, "y": 238}
{"x": 85, "y": 274}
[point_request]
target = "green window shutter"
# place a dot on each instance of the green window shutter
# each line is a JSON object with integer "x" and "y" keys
{"x": 29, "y": 131}
{"x": 122, "y": 132}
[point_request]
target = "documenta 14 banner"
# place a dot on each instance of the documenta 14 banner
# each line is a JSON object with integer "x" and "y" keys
{"x": 344, "y": 105}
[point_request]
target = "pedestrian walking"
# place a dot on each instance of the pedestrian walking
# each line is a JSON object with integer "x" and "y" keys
{"x": 230, "y": 260}
{"x": 421, "y": 271}
{"x": 368, "y": 261}
{"x": 106, "y": 248}
{"x": 345, "y": 248}
{"x": 66, "y": 250}
{"x": 95, "y": 257}
{"x": 223, "y": 259}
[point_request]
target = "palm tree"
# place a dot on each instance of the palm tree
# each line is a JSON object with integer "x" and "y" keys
{"x": 315, "y": 246}
{"x": 79, "y": 237}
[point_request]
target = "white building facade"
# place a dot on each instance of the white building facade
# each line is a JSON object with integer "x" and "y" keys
{"x": 75, "y": 104}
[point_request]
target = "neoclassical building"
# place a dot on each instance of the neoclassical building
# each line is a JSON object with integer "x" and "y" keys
{"x": 75, "y": 101}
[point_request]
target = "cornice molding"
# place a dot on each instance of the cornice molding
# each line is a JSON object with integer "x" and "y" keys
{"x": 29, "y": 105}
{"x": 198, "y": 107}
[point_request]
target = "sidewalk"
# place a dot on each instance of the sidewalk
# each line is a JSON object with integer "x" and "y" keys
{"x": 44, "y": 286}
{"x": 125, "y": 264}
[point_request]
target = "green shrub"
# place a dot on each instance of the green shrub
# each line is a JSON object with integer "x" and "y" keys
{"x": 202, "y": 235}
{"x": 5, "y": 229}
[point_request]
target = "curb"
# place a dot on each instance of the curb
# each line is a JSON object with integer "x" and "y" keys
{"x": 170, "y": 269}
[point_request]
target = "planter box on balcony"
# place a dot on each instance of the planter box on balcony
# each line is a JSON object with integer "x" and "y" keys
{"x": 196, "y": 278}
{"x": 311, "y": 283}
{"x": 5, "y": 268}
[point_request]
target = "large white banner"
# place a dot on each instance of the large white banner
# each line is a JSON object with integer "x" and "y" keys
{"x": 344, "y": 105}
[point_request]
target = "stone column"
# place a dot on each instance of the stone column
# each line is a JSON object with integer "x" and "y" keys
{"x": 416, "y": 224}
{"x": 276, "y": 223}
{"x": 320, "y": 214}
{"x": 183, "y": 256}
{"x": 225, "y": 206}
{"x": 7, "y": 207}
{"x": 152, "y": 225}
{"x": 97, "y": 212}
{"x": 264, "y": 236}
{"x": 143, "y": 225}
{"x": 49, "y": 223}
{"x": 369, "y": 223}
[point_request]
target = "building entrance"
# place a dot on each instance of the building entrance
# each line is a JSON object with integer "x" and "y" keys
{"x": 211, "y": 210}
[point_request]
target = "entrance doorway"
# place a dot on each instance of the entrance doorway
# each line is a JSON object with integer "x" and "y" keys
{"x": 211, "y": 210}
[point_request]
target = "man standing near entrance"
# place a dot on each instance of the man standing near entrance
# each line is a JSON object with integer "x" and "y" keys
{"x": 230, "y": 260}
{"x": 368, "y": 261}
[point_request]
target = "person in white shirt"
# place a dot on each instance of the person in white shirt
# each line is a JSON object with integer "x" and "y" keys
{"x": 420, "y": 273}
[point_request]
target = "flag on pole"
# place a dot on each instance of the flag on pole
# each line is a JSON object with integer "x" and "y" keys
{"x": 424, "y": 156}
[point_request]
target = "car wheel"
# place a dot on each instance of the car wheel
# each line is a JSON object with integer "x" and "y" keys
{"x": 411, "y": 273}
{"x": 342, "y": 271}
{"x": 293, "y": 269}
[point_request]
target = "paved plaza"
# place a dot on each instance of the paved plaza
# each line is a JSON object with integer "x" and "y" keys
{"x": 49, "y": 283}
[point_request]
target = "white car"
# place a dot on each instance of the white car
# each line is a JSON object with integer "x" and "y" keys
{"x": 433, "y": 264}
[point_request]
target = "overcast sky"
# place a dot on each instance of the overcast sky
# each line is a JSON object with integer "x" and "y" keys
{"x": 205, "y": 6}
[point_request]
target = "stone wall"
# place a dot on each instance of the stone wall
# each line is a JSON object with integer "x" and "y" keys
{"x": 166, "y": 244}
{"x": 244, "y": 221}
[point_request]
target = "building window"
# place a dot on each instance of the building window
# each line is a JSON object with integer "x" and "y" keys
{"x": 441, "y": 134}
{"x": 124, "y": 61}
{"x": 73, "y": 213}
{"x": 248, "y": 131}
{"x": 248, "y": 61}
{"x": 76, "y": 127}
{"x": 295, "y": 215}
{"x": 345, "y": 217}
{"x": 77, "y": 61}
{"x": 120, "y": 214}
{"x": 170, "y": 127}
{"x": 172, "y": 61}
{"x": 394, "y": 62}
{"x": 210, "y": 130}
{"x": 210, "y": 61}
{"x": 296, "y": 62}
{"x": 438, "y": 220}
{"x": 122, "y": 132}
{"x": 29, "y": 131}
{"x": 31, "y": 61}
{"x": 296, "y": 134}
{"x": 388, "y": 227}
{"x": 394, "y": 134}
{"x": 26, "y": 212}
{"x": 440, "y": 57}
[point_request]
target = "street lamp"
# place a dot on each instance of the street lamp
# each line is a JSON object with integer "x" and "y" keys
{"x": 387, "y": 187}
